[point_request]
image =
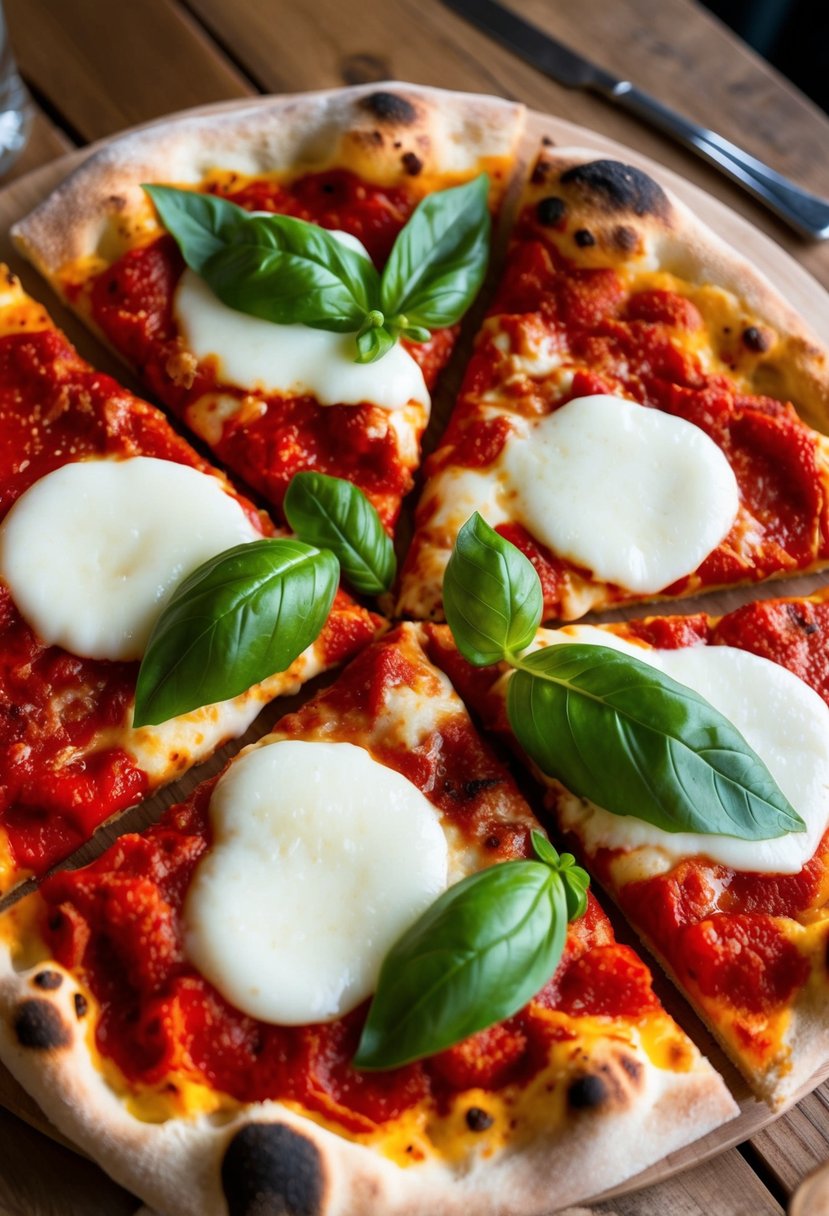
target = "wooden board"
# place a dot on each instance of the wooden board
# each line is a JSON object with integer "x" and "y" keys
{"x": 803, "y": 292}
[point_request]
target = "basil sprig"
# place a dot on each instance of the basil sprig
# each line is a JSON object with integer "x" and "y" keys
{"x": 335, "y": 514}
{"x": 475, "y": 957}
{"x": 612, "y": 729}
{"x": 290, "y": 271}
{"x": 237, "y": 619}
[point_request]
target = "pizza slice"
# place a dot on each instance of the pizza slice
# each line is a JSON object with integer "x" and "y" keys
{"x": 272, "y": 399}
{"x": 637, "y": 414}
{"x": 187, "y": 1008}
{"x": 742, "y": 925}
{"x": 104, "y": 508}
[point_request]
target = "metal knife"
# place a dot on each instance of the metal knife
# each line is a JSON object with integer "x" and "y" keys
{"x": 806, "y": 213}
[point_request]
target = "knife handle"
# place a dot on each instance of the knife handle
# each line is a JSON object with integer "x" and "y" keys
{"x": 806, "y": 213}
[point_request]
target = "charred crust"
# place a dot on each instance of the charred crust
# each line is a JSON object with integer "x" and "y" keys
{"x": 625, "y": 238}
{"x": 390, "y": 107}
{"x": 478, "y": 1119}
{"x": 81, "y": 1005}
{"x": 38, "y": 1025}
{"x": 756, "y": 339}
{"x": 631, "y": 1066}
{"x": 412, "y": 163}
{"x": 550, "y": 211}
{"x": 584, "y": 238}
{"x": 587, "y": 1092}
{"x": 270, "y": 1170}
{"x": 619, "y": 187}
{"x": 541, "y": 170}
{"x": 48, "y": 980}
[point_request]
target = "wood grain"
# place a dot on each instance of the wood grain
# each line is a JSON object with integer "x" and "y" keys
{"x": 673, "y": 48}
{"x": 109, "y": 66}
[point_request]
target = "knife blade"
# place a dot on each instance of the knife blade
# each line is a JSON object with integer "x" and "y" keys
{"x": 806, "y": 213}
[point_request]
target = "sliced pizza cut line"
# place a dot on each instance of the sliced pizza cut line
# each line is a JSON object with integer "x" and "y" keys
{"x": 741, "y": 926}
{"x": 613, "y": 290}
{"x": 108, "y": 1021}
{"x": 271, "y": 400}
{"x": 103, "y": 505}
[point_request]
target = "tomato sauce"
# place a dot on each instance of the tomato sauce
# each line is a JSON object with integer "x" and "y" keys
{"x": 118, "y": 922}
{"x": 131, "y": 302}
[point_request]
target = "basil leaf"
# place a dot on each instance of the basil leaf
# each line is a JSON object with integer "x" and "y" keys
{"x": 288, "y": 271}
{"x": 335, "y": 514}
{"x": 373, "y": 343}
{"x": 237, "y": 619}
{"x": 491, "y": 595}
{"x": 201, "y": 224}
{"x": 476, "y": 956}
{"x": 439, "y": 260}
{"x": 620, "y": 733}
{"x": 575, "y": 879}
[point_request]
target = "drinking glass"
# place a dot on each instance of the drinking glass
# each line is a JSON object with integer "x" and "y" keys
{"x": 15, "y": 104}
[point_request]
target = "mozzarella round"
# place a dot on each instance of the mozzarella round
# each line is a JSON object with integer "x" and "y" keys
{"x": 635, "y": 495}
{"x": 296, "y": 360}
{"x": 321, "y": 858}
{"x": 92, "y": 551}
{"x": 784, "y": 720}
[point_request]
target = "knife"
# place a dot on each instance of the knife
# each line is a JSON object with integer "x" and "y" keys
{"x": 806, "y": 213}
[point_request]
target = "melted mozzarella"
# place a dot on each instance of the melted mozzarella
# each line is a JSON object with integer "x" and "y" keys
{"x": 260, "y": 356}
{"x": 92, "y": 552}
{"x": 635, "y": 495}
{"x": 321, "y": 858}
{"x": 780, "y": 716}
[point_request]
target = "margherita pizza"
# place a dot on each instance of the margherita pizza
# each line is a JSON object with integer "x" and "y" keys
{"x": 741, "y": 925}
{"x": 272, "y": 400}
{"x": 187, "y": 1008}
{"x": 634, "y": 416}
{"x": 104, "y": 508}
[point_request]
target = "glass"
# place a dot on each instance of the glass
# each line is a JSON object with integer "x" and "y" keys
{"x": 15, "y": 105}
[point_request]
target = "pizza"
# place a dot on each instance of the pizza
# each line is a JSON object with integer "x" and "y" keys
{"x": 272, "y": 401}
{"x": 742, "y": 926}
{"x": 138, "y": 995}
{"x": 104, "y": 507}
{"x": 637, "y": 414}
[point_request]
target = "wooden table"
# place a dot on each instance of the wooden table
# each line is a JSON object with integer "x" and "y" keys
{"x": 95, "y": 66}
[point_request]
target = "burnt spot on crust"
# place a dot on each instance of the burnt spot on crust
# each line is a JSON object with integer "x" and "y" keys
{"x": 550, "y": 211}
{"x": 412, "y": 163}
{"x": 619, "y": 187}
{"x": 584, "y": 238}
{"x": 541, "y": 171}
{"x": 390, "y": 107}
{"x": 271, "y": 1170}
{"x": 478, "y": 1119}
{"x": 48, "y": 980}
{"x": 625, "y": 238}
{"x": 631, "y": 1066}
{"x": 587, "y": 1092}
{"x": 38, "y": 1024}
{"x": 800, "y": 621}
{"x": 757, "y": 339}
{"x": 81, "y": 1005}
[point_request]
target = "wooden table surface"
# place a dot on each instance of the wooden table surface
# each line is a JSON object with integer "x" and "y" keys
{"x": 95, "y": 67}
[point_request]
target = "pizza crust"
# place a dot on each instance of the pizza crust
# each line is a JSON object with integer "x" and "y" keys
{"x": 626, "y": 211}
{"x": 388, "y": 133}
{"x": 218, "y": 1165}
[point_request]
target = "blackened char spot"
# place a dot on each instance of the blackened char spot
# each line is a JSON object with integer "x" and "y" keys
{"x": 48, "y": 980}
{"x": 470, "y": 789}
{"x": 270, "y": 1170}
{"x": 412, "y": 163}
{"x": 550, "y": 211}
{"x": 756, "y": 339}
{"x": 478, "y": 1120}
{"x": 797, "y": 618}
{"x": 620, "y": 187}
{"x": 631, "y": 1066}
{"x": 587, "y": 1092}
{"x": 81, "y": 1006}
{"x": 39, "y": 1025}
{"x": 390, "y": 107}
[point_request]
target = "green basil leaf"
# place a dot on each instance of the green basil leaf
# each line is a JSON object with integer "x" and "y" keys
{"x": 482, "y": 950}
{"x": 491, "y": 595}
{"x": 287, "y": 271}
{"x": 201, "y": 224}
{"x": 620, "y": 733}
{"x": 575, "y": 879}
{"x": 439, "y": 260}
{"x": 335, "y": 514}
{"x": 373, "y": 343}
{"x": 237, "y": 619}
